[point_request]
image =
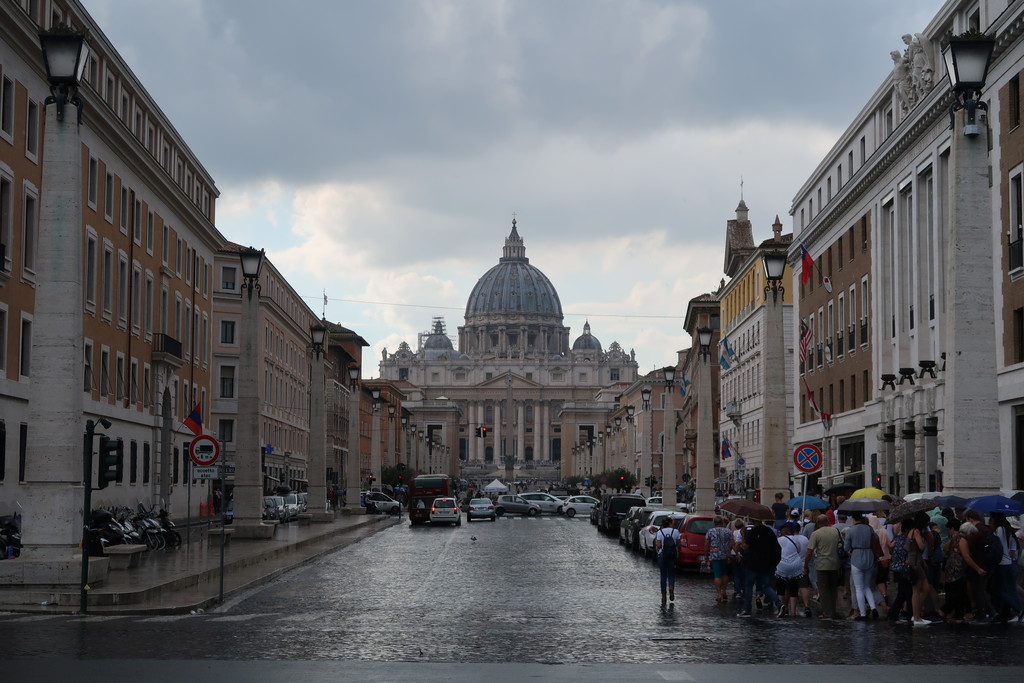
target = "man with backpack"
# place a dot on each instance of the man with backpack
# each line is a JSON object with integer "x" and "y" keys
{"x": 667, "y": 544}
{"x": 761, "y": 555}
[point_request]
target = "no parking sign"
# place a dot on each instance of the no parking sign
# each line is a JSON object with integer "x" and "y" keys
{"x": 807, "y": 458}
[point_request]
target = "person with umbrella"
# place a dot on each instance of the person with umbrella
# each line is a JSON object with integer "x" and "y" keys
{"x": 979, "y": 576}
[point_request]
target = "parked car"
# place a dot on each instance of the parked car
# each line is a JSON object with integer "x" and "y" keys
{"x": 271, "y": 511}
{"x": 579, "y": 505}
{"x": 445, "y": 511}
{"x": 480, "y": 508}
{"x": 614, "y": 507}
{"x": 654, "y": 500}
{"x": 545, "y": 501}
{"x": 507, "y": 504}
{"x": 278, "y": 505}
{"x": 632, "y": 523}
{"x": 291, "y": 501}
{"x": 691, "y": 544}
{"x": 377, "y": 501}
{"x": 650, "y": 530}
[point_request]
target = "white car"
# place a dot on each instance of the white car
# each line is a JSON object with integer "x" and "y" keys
{"x": 382, "y": 503}
{"x": 577, "y": 505}
{"x": 445, "y": 511}
{"x": 650, "y": 530}
{"x": 653, "y": 501}
{"x": 545, "y": 501}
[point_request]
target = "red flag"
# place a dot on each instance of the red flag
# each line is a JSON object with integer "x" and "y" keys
{"x": 807, "y": 265}
{"x": 806, "y": 336}
{"x": 194, "y": 421}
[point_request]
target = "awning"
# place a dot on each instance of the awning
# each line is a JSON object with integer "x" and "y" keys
{"x": 267, "y": 476}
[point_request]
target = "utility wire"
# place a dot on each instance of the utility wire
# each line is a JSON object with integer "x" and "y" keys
{"x": 459, "y": 308}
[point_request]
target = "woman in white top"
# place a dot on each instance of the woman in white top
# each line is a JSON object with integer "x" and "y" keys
{"x": 791, "y": 566}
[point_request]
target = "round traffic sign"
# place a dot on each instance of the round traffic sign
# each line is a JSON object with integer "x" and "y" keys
{"x": 807, "y": 458}
{"x": 204, "y": 450}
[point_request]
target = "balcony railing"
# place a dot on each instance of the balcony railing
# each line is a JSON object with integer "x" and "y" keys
{"x": 864, "y": 332}
{"x": 167, "y": 345}
{"x": 1016, "y": 252}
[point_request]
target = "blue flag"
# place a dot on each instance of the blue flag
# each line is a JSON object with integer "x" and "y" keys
{"x": 724, "y": 362}
{"x": 728, "y": 349}
{"x": 684, "y": 385}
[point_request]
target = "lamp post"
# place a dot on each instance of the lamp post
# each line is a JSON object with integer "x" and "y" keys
{"x": 774, "y": 463}
{"x": 353, "y": 475}
{"x": 668, "y": 454}
{"x": 707, "y": 459}
{"x": 971, "y": 409}
{"x": 53, "y": 522}
{"x": 607, "y": 443}
{"x": 317, "y": 474}
{"x": 248, "y": 491}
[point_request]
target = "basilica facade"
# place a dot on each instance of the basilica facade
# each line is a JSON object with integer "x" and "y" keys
{"x": 516, "y": 394}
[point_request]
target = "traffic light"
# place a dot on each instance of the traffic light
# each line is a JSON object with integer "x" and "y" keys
{"x": 647, "y": 481}
{"x": 478, "y": 432}
{"x": 369, "y": 479}
{"x": 111, "y": 461}
{"x": 654, "y": 481}
{"x": 483, "y": 432}
{"x": 878, "y": 480}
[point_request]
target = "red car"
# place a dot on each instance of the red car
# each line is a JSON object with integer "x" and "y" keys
{"x": 691, "y": 546}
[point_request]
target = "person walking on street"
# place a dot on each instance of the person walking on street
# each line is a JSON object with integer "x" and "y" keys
{"x": 791, "y": 566}
{"x": 823, "y": 548}
{"x": 667, "y": 544}
{"x": 739, "y": 578}
{"x": 780, "y": 510}
{"x": 864, "y": 549}
{"x": 761, "y": 555}
{"x": 718, "y": 549}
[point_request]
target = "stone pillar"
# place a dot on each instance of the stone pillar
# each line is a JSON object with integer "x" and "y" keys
{"x": 53, "y": 490}
{"x": 536, "y": 432}
{"x": 520, "y": 430}
{"x": 352, "y": 467}
{"x": 909, "y": 438}
{"x": 498, "y": 453}
{"x": 971, "y": 412}
{"x": 545, "y": 427}
{"x": 317, "y": 474}
{"x": 707, "y": 459}
{"x": 668, "y": 455}
{"x": 375, "y": 439}
{"x": 248, "y": 491}
{"x": 775, "y": 458}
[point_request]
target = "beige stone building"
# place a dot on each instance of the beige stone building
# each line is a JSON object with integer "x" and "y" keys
{"x": 517, "y": 373}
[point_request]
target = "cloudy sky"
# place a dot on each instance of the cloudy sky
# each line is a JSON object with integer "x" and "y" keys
{"x": 378, "y": 149}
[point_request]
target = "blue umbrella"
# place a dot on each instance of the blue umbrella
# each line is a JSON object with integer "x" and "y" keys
{"x": 807, "y": 503}
{"x": 991, "y": 504}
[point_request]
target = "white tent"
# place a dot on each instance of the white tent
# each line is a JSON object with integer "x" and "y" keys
{"x": 495, "y": 487}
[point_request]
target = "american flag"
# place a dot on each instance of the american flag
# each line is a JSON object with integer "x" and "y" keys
{"x": 806, "y": 335}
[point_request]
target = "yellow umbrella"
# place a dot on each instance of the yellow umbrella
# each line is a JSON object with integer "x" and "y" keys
{"x": 867, "y": 493}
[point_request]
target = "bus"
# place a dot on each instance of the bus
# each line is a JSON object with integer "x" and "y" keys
{"x": 422, "y": 492}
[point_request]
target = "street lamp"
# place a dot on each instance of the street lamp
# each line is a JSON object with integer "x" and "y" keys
{"x": 353, "y": 474}
{"x": 645, "y": 396}
{"x": 774, "y": 263}
{"x": 967, "y": 59}
{"x": 65, "y": 53}
{"x": 252, "y": 262}
{"x": 704, "y": 340}
{"x": 668, "y": 453}
{"x": 317, "y": 335}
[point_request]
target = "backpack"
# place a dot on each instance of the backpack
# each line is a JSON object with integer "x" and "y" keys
{"x": 668, "y": 544}
{"x": 898, "y": 561}
{"x": 991, "y": 551}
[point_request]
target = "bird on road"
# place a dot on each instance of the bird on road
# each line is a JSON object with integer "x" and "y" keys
{"x": 472, "y": 538}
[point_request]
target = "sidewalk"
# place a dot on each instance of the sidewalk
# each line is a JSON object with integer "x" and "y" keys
{"x": 188, "y": 578}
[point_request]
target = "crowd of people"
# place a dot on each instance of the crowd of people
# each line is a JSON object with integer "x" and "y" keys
{"x": 944, "y": 565}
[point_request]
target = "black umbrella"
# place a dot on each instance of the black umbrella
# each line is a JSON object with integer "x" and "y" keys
{"x": 910, "y": 509}
{"x": 840, "y": 489}
{"x": 950, "y": 501}
{"x": 1018, "y": 496}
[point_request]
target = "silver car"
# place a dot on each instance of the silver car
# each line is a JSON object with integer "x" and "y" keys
{"x": 515, "y": 504}
{"x": 480, "y": 508}
{"x": 545, "y": 501}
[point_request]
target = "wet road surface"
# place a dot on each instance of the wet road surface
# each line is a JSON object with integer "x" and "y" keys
{"x": 545, "y": 590}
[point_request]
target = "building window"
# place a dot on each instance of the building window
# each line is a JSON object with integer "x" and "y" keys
{"x": 104, "y": 372}
{"x": 7, "y": 108}
{"x": 87, "y": 379}
{"x": 108, "y": 198}
{"x": 123, "y": 220}
{"x": 122, "y": 290}
{"x": 25, "y": 364}
{"x": 145, "y": 463}
{"x": 1018, "y": 335}
{"x": 119, "y": 379}
{"x": 149, "y": 232}
{"x": 227, "y": 278}
{"x": 614, "y": 373}
{"x": 3, "y": 340}
{"x": 226, "y": 431}
{"x": 133, "y": 460}
{"x": 227, "y": 381}
{"x": 32, "y": 130}
{"x": 30, "y": 234}
{"x": 6, "y": 218}
{"x": 1014, "y": 101}
{"x": 227, "y": 331}
{"x": 93, "y": 181}
{"x": 90, "y": 271}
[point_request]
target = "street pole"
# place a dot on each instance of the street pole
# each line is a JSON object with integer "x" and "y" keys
{"x": 706, "y": 457}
